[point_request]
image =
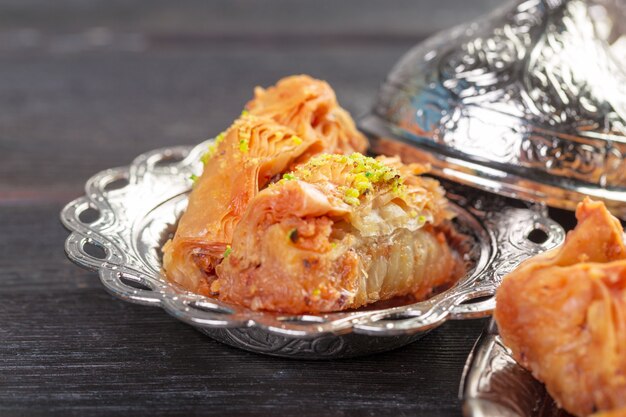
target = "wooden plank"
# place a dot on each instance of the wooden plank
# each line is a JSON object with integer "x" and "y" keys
{"x": 83, "y": 351}
{"x": 248, "y": 17}
{"x": 67, "y": 116}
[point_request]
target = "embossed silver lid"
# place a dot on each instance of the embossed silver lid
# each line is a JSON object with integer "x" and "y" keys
{"x": 529, "y": 102}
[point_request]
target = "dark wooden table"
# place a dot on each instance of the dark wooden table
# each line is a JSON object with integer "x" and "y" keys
{"x": 88, "y": 85}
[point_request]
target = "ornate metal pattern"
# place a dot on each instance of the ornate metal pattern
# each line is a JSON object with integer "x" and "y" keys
{"x": 322, "y": 347}
{"x": 531, "y": 91}
{"x": 135, "y": 220}
{"x": 494, "y": 385}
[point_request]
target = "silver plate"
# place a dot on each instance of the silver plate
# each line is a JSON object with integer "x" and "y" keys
{"x": 494, "y": 385}
{"x": 135, "y": 220}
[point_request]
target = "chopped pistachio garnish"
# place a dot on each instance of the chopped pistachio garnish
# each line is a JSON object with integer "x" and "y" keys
{"x": 361, "y": 183}
{"x": 350, "y": 195}
{"x": 353, "y": 201}
{"x": 422, "y": 219}
{"x": 364, "y": 175}
{"x": 243, "y": 146}
{"x": 227, "y": 251}
{"x": 193, "y": 177}
{"x": 352, "y": 192}
{"x": 360, "y": 174}
{"x": 213, "y": 148}
{"x": 296, "y": 140}
{"x": 316, "y": 292}
{"x": 244, "y": 112}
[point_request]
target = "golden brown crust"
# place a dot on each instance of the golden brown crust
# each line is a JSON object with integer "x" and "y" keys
{"x": 310, "y": 108}
{"x": 304, "y": 246}
{"x": 564, "y": 315}
{"x": 221, "y": 195}
{"x": 286, "y": 125}
{"x": 613, "y": 413}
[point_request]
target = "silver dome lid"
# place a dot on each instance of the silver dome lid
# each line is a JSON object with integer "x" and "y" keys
{"x": 529, "y": 102}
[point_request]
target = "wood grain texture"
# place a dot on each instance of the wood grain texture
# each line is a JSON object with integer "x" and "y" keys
{"x": 76, "y": 114}
{"x": 89, "y": 85}
{"x": 247, "y": 17}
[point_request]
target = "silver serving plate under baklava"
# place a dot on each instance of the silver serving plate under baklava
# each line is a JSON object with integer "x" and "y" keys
{"x": 127, "y": 214}
{"x": 529, "y": 102}
{"x": 494, "y": 385}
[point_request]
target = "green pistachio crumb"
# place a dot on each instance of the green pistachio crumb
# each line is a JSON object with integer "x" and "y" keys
{"x": 293, "y": 235}
{"x": 212, "y": 148}
{"x": 365, "y": 173}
